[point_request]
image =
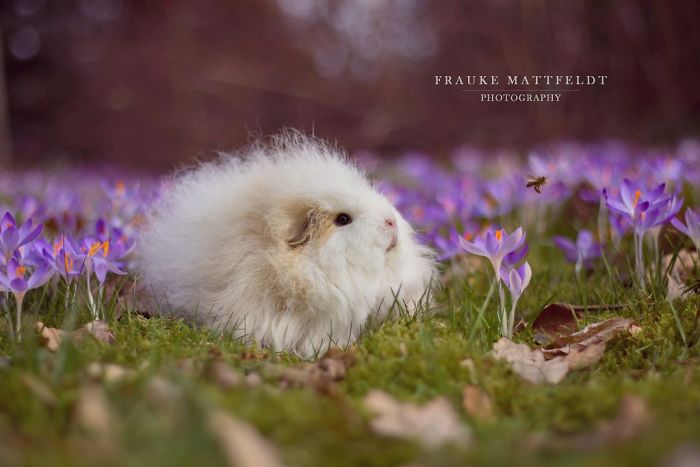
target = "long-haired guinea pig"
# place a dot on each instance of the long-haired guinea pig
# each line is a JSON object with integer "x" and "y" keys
{"x": 287, "y": 243}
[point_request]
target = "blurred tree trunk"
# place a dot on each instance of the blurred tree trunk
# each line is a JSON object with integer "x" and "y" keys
{"x": 5, "y": 143}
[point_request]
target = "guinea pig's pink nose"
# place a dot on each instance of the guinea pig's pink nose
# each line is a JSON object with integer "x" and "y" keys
{"x": 390, "y": 222}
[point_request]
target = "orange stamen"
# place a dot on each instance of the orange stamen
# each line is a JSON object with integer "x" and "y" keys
{"x": 68, "y": 262}
{"x": 94, "y": 248}
{"x": 57, "y": 246}
{"x": 499, "y": 234}
{"x": 121, "y": 187}
{"x": 637, "y": 195}
{"x": 20, "y": 271}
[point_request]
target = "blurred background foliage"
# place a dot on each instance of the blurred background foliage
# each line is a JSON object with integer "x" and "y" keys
{"x": 149, "y": 84}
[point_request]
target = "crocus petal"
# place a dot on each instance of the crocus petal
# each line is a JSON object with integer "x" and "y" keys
{"x": 515, "y": 284}
{"x": 18, "y": 285}
{"x": 31, "y": 236}
{"x": 584, "y": 241}
{"x": 617, "y": 206}
{"x": 626, "y": 195}
{"x": 513, "y": 241}
{"x": 10, "y": 238}
{"x": 5, "y": 283}
{"x": 12, "y": 267}
{"x": 526, "y": 275}
{"x": 471, "y": 247}
{"x": 680, "y": 226}
{"x": 7, "y": 220}
{"x": 658, "y": 191}
{"x": 491, "y": 243}
{"x": 40, "y": 277}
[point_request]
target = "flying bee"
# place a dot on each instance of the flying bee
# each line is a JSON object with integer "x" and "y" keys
{"x": 536, "y": 182}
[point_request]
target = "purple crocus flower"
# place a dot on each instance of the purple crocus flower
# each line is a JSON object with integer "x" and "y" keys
{"x": 494, "y": 245}
{"x": 515, "y": 256}
{"x": 13, "y": 237}
{"x": 448, "y": 247}
{"x": 691, "y": 227}
{"x": 633, "y": 199}
{"x": 516, "y": 279}
{"x": 100, "y": 257}
{"x": 18, "y": 279}
{"x": 582, "y": 252}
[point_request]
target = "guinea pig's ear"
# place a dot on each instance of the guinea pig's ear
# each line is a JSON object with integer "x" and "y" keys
{"x": 305, "y": 227}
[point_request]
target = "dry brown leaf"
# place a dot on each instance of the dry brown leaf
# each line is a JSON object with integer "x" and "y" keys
{"x": 596, "y": 333}
{"x": 97, "y": 329}
{"x": 39, "y": 389}
{"x": 51, "y": 338}
{"x": 477, "y": 403}
{"x": 221, "y": 374}
{"x": 92, "y": 412}
{"x": 530, "y": 364}
{"x": 433, "y": 424}
{"x": 162, "y": 392}
{"x": 686, "y": 454}
{"x": 556, "y": 319}
{"x": 109, "y": 372}
{"x": 578, "y": 359}
{"x": 631, "y": 419}
{"x": 681, "y": 272}
{"x": 242, "y": 445}
{"x": 320, "y": 375}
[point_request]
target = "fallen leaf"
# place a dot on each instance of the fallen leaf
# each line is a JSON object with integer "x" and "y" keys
{"x": 682, "y": 271}
{"x": 223, "y": 375}
{"x": 50, "y": 337}
{"x": 556, "y": 319}
{"x": 93, "y": 416}
{"x": 39, "y": 389}
{"x": 559, "y": 319}
{"x": 595, "y": 333}
{"x": 320, "y": 375}
{"x": 242, "y": 445}
{"x": 432, "y": 424}
{"x": 477, "y": 403}
{"x": 253, "y": 379}
{"x": 631, "y": 419}
{"x": 108, "y": 372}
{"x": 97, "y": 329}
{"x": 530, "y": 364}
{"x": 92, "y": 412}
{"x": 684, "y": 455}
{"x": 578, "y": 359}
{"x": 162, "y": 392}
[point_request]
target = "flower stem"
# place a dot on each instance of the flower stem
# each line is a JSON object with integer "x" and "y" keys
{"x": 639, "y": 258}
{"x": 602, "y": 221}
{"x": 91, "y": 301}
{"x": 8, "y": 317}
{"x": 502, "y": 308}
{"x": 19, "y": 297}
{"x": 511, "y": 319}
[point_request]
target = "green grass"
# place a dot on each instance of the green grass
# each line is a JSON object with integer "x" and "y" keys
{"x": 414, "y": 359}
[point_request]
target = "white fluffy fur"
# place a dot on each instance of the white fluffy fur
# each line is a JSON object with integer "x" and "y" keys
{"x": 216, "y": 248}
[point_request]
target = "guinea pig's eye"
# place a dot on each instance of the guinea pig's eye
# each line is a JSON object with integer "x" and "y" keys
{"x": 343, "y": 219}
